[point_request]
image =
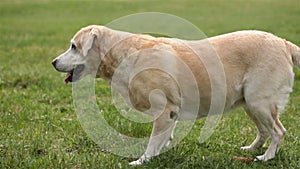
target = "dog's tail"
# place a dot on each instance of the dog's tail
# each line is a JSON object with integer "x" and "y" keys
{"x": 295, "y": 53}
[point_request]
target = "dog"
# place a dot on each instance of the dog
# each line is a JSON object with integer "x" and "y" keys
{"x": 258, "y": 69}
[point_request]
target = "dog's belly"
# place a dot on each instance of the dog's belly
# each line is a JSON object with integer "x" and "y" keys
{"x": 233, "y": 100}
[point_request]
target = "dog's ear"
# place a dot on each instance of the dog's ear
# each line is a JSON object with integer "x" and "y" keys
{"x": 88, "y": 40}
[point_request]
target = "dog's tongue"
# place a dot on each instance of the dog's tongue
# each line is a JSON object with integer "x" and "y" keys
{"x": 68, "y": 77}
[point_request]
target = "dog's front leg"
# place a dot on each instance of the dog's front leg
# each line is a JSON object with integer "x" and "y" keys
{"x": 162, "y": 134}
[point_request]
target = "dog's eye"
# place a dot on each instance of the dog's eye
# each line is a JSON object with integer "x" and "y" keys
{"x": 73, "y": 47}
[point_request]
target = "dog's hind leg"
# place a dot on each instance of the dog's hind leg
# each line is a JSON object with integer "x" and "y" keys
{"x": 162, "y": 134}
{"x": 277, "y": 132}
{"x": 262, "y": 134}
{"x": 266, "y": 95}
{"x": 265, "y": 113}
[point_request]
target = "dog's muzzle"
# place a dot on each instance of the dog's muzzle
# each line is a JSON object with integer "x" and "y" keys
{"x": 73, "y": 75}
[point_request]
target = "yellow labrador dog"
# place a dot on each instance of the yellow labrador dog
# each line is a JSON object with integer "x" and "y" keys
{"x": 258, "y": 68}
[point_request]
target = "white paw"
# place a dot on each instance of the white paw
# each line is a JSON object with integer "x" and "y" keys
{"x": 246, "y": 148}
{"x": 140, "y": 161}
{"x": 260, "y": 158}
{"x": 135, "y": 163}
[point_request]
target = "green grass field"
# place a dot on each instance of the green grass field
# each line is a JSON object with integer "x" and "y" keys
{"x": 38, "y": 124}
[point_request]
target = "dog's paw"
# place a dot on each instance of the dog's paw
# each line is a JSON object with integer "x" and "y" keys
{"x": 247, "y": 148}
{"x": 260, "y": 158}
{"x": 135, "y": 163}
{"x": 140, "y": 161}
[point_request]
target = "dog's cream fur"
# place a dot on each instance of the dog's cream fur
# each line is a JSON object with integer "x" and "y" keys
{"x": 258, "y": 69}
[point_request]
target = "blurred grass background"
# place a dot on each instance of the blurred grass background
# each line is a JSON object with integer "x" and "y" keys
{"x": 38, "y": 125}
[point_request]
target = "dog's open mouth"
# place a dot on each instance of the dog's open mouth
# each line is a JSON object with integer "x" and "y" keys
{"x": 75, "y": 74}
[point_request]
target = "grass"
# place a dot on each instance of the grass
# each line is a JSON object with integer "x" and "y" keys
{"x": 38, "y": 124}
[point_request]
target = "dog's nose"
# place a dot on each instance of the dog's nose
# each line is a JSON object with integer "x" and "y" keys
{"x": 54, "y": 62}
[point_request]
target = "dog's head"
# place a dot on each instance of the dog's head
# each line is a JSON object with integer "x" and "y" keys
{"x": 83, "y": 55}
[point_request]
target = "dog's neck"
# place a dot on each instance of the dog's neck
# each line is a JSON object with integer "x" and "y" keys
{"x": 110, "y": 60}
{"x": 110, "y": 38}
{"x": 118, "y": 45}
